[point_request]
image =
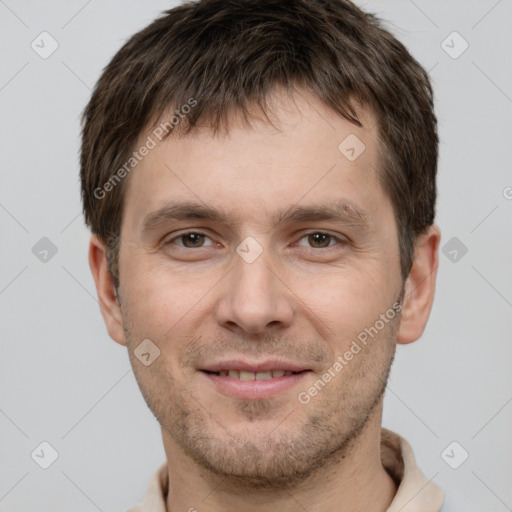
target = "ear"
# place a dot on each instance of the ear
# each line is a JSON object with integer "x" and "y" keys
{"x": 420, "y": 287}
{"x": 109, "y": 305}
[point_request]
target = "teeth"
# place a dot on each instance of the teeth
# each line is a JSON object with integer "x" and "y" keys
{"x": 263, "y": 375}
{"x": 234, "y": 374}
{"x": 243, "y": 375}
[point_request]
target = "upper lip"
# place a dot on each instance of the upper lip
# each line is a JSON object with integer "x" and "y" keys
{"x": 255, "y": 367}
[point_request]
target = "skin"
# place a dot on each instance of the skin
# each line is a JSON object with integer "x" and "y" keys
{"x": 303, "y": 299}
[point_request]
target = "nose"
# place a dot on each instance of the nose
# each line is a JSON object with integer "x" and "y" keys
{"x": 254, "y": 298}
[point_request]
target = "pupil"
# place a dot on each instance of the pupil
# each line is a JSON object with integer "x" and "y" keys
{"x": 320, "y": 238}
{"x": 194, "y": 238}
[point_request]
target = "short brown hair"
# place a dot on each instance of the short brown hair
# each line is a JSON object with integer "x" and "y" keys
{"x": 230, "y": 54}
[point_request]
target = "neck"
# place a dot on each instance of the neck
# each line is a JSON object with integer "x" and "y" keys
{"x": 356, "y": 482}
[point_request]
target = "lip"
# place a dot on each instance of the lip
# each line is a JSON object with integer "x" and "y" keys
{"x": 254, "y": 389}
{"x": 253, "y": 366}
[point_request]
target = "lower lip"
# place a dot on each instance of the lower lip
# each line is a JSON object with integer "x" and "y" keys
{"x": 254, "y": 389}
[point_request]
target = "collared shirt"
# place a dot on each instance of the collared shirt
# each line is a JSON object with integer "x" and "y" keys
{"x": 415, "y": 492}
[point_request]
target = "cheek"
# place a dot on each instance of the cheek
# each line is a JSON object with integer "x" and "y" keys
{"x": 160, "y": 300}
{"x": 344, "y": 301}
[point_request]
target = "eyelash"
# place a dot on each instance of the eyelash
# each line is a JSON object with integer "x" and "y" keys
{"x": 333, "y": 237}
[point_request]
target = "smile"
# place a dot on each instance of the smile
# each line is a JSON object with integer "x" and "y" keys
{"x": 246, "y": 375}
{"x": 247, "y": 385}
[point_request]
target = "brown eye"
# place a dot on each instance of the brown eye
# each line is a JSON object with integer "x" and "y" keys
{"x": 319, "y": 240}
{"x": 191, "y": 240}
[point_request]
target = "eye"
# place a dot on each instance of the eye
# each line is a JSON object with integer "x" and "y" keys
{"x": 320, "y": 240}
{"x": 191, "y": 240}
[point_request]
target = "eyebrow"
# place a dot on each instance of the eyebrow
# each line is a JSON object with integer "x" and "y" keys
{"x": 343, "y": 211}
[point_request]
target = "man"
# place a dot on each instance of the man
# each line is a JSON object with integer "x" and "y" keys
{"x": 260, "y": 181}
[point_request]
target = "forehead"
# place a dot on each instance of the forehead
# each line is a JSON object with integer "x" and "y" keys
{"x": 307, "y": 153}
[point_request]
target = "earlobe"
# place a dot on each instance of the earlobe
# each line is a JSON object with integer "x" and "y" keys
{"x": 109, "y": 305}
{"x": 420, "y": 287}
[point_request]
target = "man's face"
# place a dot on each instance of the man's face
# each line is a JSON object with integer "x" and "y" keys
{"x": 293, "y": 297}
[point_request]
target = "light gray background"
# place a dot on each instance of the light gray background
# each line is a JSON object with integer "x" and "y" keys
{"x": 62, "y": 380}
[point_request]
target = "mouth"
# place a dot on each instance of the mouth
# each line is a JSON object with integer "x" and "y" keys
{"x": 247, "y": 375}
{"x": 238, "y": 379}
